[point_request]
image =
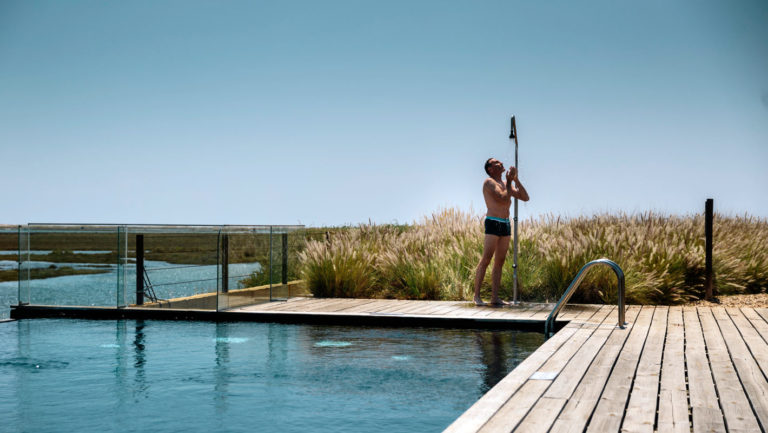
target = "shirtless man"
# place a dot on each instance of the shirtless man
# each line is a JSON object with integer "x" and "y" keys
{"x": 498, "y": 197}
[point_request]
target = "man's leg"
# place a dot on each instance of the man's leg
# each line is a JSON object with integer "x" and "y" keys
{"x": 501, "y": 248}
{"x": 489, "y": 247}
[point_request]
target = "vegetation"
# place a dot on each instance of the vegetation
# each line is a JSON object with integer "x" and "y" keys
{"x": 662, "y": 257}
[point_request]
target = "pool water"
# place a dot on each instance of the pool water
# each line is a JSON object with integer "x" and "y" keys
{"x": 163, "y": 376}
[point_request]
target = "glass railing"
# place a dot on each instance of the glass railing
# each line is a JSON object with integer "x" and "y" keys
{"x": 9, "y": 266}
{"x": 157, "y": 266}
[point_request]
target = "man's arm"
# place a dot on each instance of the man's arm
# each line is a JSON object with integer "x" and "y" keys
{"x": 495, "y": 191}
{"x": 517, "y": 190}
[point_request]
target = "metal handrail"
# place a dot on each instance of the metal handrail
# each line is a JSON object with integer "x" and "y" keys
{"x": 549, "y": 326}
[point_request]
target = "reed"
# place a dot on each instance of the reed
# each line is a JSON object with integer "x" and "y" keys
{"x": 661, "y": 255}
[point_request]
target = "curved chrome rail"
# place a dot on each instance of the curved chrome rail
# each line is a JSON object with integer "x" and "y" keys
{"x": 549, "y": 326}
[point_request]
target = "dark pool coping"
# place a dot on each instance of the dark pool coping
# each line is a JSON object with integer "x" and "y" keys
{"x": 310, "y": 318}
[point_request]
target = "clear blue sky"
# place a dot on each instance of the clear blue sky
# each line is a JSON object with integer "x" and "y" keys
{"x": 333, "y": 112}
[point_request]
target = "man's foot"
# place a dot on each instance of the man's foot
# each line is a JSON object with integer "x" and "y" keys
{"x": 479, "y": 302}
{"x": 499, "y": 303}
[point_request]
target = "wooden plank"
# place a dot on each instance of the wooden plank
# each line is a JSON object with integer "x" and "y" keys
{"x": 763, "y": 312}
{"x": 514, "y": 410}
{"x": 587, "y": 315}
{"x": 359, "y": 303}
{"x": 512, "y": 312}
{"x": 543, "y": 315}
{"x": 376, "y": 305}
{"x": 318, "y": 306}
{"x": 598, "y": 317}
{"x": 321, "y": 305}
{"x": 571, "y": 311}
{"x": 274, "y": 304}
{"x": 736, "y": 411}
{"x": 449, "y": 310}
{"x": 279, "y": 305}
{"x": 561, "y": 358}
{"x": 581, "y": 404}
{"x": 304, "y": 305}
{"x": 541, "y": 416}
{"x": 757, "y": 321}
{"x": 481, "y": 311}
{"x": 462, "y": 311}
{"x": 755, "y": 342}
{"x": 640, "y": 414}
{"x": 444, "y": 307}
{"x": 544, "y": 412}
{"x": 418, "y": 307}
{"x": 403, "y": 308}
{"x": 567, "y": 313}
{"x": 752, "y": 380}
{"x": 610, "y": 408}
{"x": 673, "y": 395}
{"x": 705, "y": 408}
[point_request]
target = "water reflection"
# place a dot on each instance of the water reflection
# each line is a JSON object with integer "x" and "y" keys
{"x": 501, "y": 352}
{"x": 123, "y": 358}
{"x": 139, "y": 360}
{"x": 121, "y": 362}
{"x": 221, "y": 370}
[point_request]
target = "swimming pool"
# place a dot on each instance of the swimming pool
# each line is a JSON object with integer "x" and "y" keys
{"x": 78, "y": 375}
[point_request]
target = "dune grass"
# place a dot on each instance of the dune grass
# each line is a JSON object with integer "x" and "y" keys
{"x": 662, "y": 257}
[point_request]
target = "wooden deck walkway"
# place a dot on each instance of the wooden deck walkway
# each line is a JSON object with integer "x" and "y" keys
{"x": 673, "y": 369}
{"x": 427, "y": 309}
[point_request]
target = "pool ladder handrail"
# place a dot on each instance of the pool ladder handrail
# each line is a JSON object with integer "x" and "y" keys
{"x": 549, "y": 326}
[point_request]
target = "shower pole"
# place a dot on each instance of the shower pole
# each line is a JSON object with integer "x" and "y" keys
{"x": 513, "y": 135}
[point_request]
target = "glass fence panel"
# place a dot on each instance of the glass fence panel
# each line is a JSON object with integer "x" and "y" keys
{"x": 22, "y": 278}
{"x": 244, "y": 259}
{"x": 285, "y": 278}
{"x": 72, "y": 265}
{"x": 178, "y": 268}
{"x": 9, "y": 269}
{"x": 120, "y": 263}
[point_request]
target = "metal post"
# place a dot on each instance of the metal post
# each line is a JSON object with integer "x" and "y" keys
{"x": 225, "y": 264}
{"x": 139, "y": 269}
{"x": 513, "y": 134}
{"x": 708, "y": 277}
{"x": 285, "y": 258}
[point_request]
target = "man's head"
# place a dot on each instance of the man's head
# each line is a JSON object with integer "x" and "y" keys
{"x": 493, "y": 165}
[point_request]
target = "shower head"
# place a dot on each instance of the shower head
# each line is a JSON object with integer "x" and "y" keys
{"x": 512, "y": 129}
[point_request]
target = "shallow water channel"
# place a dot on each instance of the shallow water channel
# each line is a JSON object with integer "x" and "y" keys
{"x": 170, "y": 281}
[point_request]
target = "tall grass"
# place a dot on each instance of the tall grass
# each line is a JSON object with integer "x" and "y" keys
{"x": 662, "y": 257}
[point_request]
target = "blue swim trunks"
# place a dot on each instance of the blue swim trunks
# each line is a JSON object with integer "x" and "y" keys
{"x": 497, "y": 226}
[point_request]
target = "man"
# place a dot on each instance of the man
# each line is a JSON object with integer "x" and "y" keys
{"x": 498, "y": 197}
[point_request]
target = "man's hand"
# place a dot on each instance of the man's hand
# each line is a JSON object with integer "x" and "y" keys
{"x": 512, "y": 174}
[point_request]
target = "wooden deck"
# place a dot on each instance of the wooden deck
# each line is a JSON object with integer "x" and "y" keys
{"x": 425, "y": 309}
{"x": 671, "y": 369}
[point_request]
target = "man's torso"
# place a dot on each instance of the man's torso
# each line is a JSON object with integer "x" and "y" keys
{"x": 496, "y": 208}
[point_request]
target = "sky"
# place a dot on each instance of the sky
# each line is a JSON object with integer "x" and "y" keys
{"x": 344, "y": 112}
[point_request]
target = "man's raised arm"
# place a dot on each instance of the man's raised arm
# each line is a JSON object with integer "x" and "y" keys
{"x": 517, "y": 190}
